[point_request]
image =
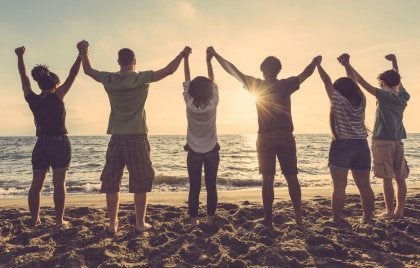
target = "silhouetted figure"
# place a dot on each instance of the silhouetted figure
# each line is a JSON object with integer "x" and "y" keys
{"x": 52, "y": 148}
{"x": 127, "y": 92}
{"x": 387, "y": 147}
{"x": 201, "y": 97}
{"x": 275, "y": 133}
{"x": 349, "y": 148}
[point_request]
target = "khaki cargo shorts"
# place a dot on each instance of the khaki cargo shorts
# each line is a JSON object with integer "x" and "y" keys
{"x": 389, "y": 160}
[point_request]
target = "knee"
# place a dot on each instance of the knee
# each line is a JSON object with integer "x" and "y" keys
{"x": 401, "y": 183}
{"x": 339, "y": 190}
{"x": 35, "y": 189}
{"x": 58, "y": 182}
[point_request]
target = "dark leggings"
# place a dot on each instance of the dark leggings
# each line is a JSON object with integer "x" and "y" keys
{"x": 195, "y": 162}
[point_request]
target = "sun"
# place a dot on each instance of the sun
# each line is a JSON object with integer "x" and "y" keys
{"x": 242, "y": 105}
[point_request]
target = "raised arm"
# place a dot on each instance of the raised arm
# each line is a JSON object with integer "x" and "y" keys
{"x": 345, "y": 61}
{"x": 228, "y": 66}
{"x": 187, "y": 66}
{"x": 326, "y": 79}
{"x": 171, "y": 67}
{"x": 83, "y": 47}
{"x": 65, "y": 87}
{"x": 392, "y": 58}
{"x": 308, "y": 71}
{"x": 26, "y": 84}
{"x": 210, "y": 72}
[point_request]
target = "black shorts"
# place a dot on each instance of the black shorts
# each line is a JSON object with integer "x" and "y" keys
{"x": 350, "y": 154}
{"x": 51, "y": 151}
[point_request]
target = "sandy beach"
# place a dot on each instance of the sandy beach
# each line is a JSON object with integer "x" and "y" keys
{"x": 238, "y": 238}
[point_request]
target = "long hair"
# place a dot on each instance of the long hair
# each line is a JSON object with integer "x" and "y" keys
{"x": 351, "y": 91}
{"x": 201, "y": 90}
{"x": 45, "y": 79}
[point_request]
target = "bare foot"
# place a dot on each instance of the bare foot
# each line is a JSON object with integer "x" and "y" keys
{"x": 388, "y": 215}
{"x": 143, "y": 228}
{"x": 62, "y": 223}
{"x": 267, "y": 222}
{"x": 298, "y": 220}
{"x": 113, "y": 227}
{"x": 194, "y": 221}
{"x": 368, "y": 220}
{"x": 340, "y": 222}
{"x": 210, "y": 220}
{"x": 36, "y": 223}
{"x": 399, "y": 214}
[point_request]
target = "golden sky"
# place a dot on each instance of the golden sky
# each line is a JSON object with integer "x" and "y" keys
{"x": 244, "y": 32}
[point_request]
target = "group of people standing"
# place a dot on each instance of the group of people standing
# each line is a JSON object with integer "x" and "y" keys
{"x": 129, "y": 147}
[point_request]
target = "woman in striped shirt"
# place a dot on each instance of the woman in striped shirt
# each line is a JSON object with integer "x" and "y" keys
{"x": 349, "y": 148}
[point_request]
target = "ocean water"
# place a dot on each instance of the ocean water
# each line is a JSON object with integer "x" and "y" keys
{"x": 238, "y": 165}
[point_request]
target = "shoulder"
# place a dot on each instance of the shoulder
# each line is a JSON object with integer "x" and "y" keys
{"x": 251, "y": 83}
{"x": 291, "y": 83}
{"x": 31, "y": 96}
{"x": 147, "y": 73}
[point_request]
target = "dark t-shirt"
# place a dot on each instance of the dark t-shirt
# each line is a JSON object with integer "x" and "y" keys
{"x": 49, "y": 113}
{"x": 273, "y": 102}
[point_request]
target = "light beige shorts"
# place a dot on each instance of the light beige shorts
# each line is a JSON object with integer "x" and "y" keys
{"x": 388, "y": 159}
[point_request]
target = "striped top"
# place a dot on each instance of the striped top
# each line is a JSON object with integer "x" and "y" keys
{"x": 349, "y": 120}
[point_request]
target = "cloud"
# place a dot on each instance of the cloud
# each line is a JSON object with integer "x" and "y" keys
{"x": 186, "y": 10}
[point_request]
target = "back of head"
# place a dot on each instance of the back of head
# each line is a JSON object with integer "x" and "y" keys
{"x": 270, "y": 67}
{"x": 126, "y": 56}
{"x": 349, "y": 89}
{"x": 391, "y": 78}
{"x": 46, "y": 79}
{"x": 201, "y": 90}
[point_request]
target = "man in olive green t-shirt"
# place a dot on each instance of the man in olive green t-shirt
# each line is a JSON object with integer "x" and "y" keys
{"x": 127, "y": 92}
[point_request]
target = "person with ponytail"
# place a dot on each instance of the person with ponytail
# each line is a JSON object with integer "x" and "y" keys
{"x": 349, "y": 147}
{"x": 201, "y": 97}
{"x": 52, "y": 148}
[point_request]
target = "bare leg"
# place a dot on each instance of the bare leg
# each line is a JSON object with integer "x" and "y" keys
{"x": 361, "y": 179}
{"x": 59, "y": 182}
{"x": 401, "y": 195}
{"x": 295, "y": 196}
{"x": 140, "y": 202}
{"x": 268, "y": 198}
{"x": 339, "y": 177}
{"x": 113, "y": 202}
{"x": 34, "y": 194}
{"x": 389, "y": 197}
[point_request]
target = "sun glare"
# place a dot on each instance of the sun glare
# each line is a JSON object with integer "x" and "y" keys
{"x": 243, "y": 105}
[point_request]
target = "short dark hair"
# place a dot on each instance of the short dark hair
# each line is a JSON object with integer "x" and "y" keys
{"x": 391, "y": 78}
{"x": 201, "y": 90}
{"x": 126, "y": 56}
{"x": 271, "y": 65}
{"x": 46, "y": 79}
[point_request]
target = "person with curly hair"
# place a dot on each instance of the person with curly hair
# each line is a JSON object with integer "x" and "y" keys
{"x": 52, "y": 148}
{"x": 275, "y": 127}
{"x": 389, "y": 162}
